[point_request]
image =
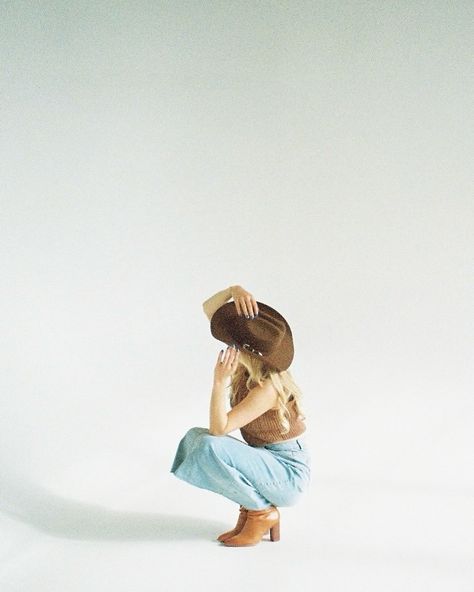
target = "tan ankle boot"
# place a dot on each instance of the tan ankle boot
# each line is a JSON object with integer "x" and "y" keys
{"x": 238, "y": 527}
{"x": 257, "y": 524}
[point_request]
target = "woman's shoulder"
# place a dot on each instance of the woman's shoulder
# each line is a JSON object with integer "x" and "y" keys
{"x": 269, "y": 384}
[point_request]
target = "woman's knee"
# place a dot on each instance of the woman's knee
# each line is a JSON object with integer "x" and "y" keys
{"x": 218, "y": 445}
{"x": 203, "y": 440}
{"x": 196, "y": 431}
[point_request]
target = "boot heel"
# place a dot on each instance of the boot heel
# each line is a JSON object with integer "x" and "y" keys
{"x": 275, "y": 532}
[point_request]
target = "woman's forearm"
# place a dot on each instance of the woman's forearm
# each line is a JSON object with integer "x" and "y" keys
{"x": 216, "y": 301}
{"x": 217, "y": 409}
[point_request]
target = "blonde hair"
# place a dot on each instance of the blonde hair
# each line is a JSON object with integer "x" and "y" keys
{"x": 251, "y": 372}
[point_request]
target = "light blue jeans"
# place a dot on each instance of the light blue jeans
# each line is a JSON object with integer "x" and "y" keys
{"x": 255, "y": 477}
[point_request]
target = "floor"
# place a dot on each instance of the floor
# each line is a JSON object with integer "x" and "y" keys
{"x": 344, "y": 535}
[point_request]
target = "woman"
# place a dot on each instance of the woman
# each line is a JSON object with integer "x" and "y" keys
{"x": 272, "y": 467}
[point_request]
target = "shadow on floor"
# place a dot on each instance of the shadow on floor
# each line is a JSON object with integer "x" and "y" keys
{"x": 32, "y": 504}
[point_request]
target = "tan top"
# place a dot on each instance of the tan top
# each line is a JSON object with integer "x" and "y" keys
{"x": 266, "y": 428}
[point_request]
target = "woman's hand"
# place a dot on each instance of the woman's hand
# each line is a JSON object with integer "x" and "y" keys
{"x": 226, "y": 364}
{"x": 244, "y": 302}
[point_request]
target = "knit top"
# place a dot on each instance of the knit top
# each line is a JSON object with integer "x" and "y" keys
{"x": 267, "y": 428}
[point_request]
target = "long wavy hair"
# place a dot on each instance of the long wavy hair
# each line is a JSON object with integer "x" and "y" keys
{"x": 251, "y": 372}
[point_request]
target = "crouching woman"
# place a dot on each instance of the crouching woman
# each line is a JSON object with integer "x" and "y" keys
{"x": 272, "y": 467}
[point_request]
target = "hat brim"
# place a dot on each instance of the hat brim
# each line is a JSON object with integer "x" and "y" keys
{"x": 222, "y": 321}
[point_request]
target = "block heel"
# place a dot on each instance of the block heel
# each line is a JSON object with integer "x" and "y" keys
{"x": 275, "y": 532}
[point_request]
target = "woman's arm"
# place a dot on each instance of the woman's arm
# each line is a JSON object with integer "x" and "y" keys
{"x": 216, "y": 301}
{"x": 245, "y": 302}
{"x": 259, "y": 399}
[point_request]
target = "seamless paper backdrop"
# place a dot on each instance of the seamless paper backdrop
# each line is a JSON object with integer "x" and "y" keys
{"x": 316, "y": 153}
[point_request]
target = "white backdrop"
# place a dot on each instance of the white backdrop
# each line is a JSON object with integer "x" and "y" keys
{"x": 316, "y": 153}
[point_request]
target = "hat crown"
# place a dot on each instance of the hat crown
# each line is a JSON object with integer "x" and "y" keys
{"x": 262, "y": 334}
{"x": 267, "y": 336}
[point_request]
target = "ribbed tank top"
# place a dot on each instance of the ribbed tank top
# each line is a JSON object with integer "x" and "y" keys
{"x": 266, "y": 428}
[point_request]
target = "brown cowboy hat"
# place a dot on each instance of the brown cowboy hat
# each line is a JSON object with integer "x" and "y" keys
{"x": 267, "y": 336}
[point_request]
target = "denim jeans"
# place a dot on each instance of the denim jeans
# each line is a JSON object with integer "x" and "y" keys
{"x": 253, "y": 476}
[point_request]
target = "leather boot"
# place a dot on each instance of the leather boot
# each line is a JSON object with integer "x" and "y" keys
{"x": 257, "y": 524}
{"x": 238, "y": 527}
